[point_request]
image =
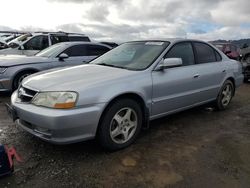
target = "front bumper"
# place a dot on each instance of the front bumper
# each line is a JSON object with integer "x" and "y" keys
{"x": 58, "y": 126}
{"x": 5, "y": 84}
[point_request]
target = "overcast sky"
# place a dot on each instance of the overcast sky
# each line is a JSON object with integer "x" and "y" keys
{"x": 121, "y": 20}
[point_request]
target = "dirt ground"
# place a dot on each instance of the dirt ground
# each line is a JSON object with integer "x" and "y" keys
{"x": 195, "y": 148}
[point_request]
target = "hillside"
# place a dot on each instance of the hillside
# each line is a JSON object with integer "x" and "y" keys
{"x": 238, "y": 43}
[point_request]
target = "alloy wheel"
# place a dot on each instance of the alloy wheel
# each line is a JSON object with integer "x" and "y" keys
{"x": 123, "y": 125}
{"x": 226, "y": 95}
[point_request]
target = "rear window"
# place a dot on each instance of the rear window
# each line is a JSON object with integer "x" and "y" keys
{"x": 57, "y": 38}
{"x": 204, "y": 53}
{"x": 218, "y": 56}
{"x": 79, "y": 38}
{"x": 77, "y": 50}
{"x": 96, "y": 50}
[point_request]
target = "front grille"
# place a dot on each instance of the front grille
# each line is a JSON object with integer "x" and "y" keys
{"x": 27, "y": 124}
{"x": 25, "y": 94}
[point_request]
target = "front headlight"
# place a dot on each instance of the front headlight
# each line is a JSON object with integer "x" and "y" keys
{"x": 2, "y": 69}
{"x": 58, "y": 100}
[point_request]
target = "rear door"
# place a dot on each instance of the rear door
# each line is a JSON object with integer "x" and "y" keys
{"x": 177, "y": 87}
{"x": 210, "y": 71}
{"x": 94, "y": 50}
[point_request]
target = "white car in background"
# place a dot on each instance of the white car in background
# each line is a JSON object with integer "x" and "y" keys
{"x": 11, "y": 37}
{"x": 31, "y": 43}
{"x": 3, "y": 43}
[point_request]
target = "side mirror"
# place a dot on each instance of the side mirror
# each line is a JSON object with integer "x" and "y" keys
{"x": 63, "y": 56}
{"x": 169, "y": 62}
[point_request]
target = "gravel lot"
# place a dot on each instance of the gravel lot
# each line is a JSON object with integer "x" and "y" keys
{"x": 195, "y": 148}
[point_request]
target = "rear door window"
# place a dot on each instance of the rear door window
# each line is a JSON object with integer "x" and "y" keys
{"x": 204, "y": 53}
{"x": 77, "y": 50}
{"x": 184, "y": 51}
{"x": 96, "y": 50}
{"x": 58, "y": 38}
{"x": 37, "y": 43}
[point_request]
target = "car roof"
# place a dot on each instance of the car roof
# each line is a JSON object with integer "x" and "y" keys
{"x": 58, "y": 33}
{"x": 171, "y": 40}
{"x": 71, "y": 43}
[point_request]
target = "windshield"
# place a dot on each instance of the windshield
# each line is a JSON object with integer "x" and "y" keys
{"x": 51, "y": 51}
{"x": 132, "y": 55}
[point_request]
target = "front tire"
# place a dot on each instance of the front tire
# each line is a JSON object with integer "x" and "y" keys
{"x": 225, "y": 96}
{"x": 120, "y": 125}
{"x": 19, "y": 78}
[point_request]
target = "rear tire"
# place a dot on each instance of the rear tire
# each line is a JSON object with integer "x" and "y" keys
{"x": 120, "y": 125}
{"x": 225, "y": 95}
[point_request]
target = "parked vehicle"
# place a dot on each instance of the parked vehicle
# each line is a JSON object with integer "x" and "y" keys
{"x": 31, "y": 43}
{"x": 117, "y": 94}
{"x": 231, "y": 50}
{"x": 245, "y": 59}
{"x": 7, "y": 36}
{"x": 14, "y": 68}
{"x": 3, "y": 44}
{"x": 11, "y": 37}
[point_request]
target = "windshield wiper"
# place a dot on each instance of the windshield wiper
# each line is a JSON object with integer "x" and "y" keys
{"x": 105, "y": 64}
{"x": 109, "y": 65}
{"x": 115, "y": 66}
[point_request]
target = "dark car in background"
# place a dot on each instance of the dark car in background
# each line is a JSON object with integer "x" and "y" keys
{"x": 245, "y": 59}
{"x": 231, "y": 50}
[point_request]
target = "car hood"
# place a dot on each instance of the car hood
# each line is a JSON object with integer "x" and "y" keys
{"x": 7, "y": 51}
{"x": 75, "y": 78}
{"x": 14, "y": 60}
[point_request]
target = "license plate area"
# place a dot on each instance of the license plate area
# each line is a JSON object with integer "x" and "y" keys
{"x": 11, "y": 112}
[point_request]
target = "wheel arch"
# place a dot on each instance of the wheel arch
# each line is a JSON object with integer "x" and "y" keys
{"x": 233, "y": 81}
{"x": 130, "y": 95}
{"x": 33, "y": 70}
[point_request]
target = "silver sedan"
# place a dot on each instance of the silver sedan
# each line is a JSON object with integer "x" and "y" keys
{"x": 14, "y": 68}
{"x": 117, "y": 94}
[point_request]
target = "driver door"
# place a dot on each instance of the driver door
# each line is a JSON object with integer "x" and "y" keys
{"x": 77, "y": 55}
{"x": 175, "y": 88}
{"x": 35, "y": 44}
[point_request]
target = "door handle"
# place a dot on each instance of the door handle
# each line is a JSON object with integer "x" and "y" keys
{"x": 224, "y": 71}
{"x": 196, "y": 75}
